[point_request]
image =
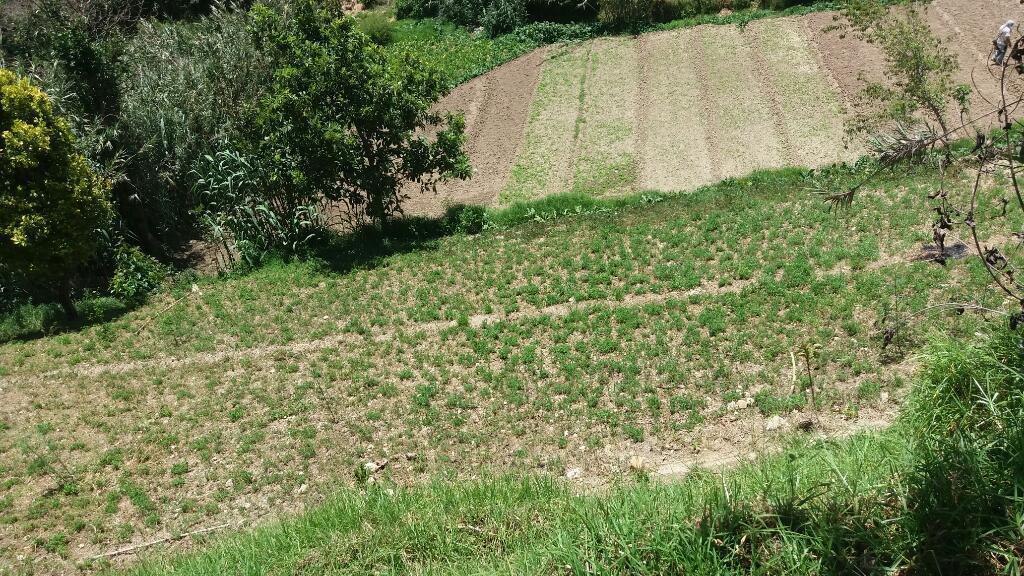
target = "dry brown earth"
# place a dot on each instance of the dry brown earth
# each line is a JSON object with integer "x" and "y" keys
{"x": 677, "y": 110}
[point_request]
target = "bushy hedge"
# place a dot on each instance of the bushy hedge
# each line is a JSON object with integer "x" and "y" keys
{"x": 185, "y": 87}
{"x": 500, "y": 16}
{"x": 53, "y": 205}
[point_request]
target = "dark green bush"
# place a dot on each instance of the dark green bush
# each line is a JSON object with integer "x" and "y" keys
{"x": 783, "y": 4}
{"x": 503, "y": 16}
{"x": 627, "y": 14}
{"x": 68, "y": 48}
{"x": 136, "y": 275}
{"x": 462, "y": 12}
{"x": 378, "y": 27}
{"x": 415, "y": 8}
{"x": 463, "y": 219}
{"x": 541, "y": 33}
{"x": 342, "y": 119}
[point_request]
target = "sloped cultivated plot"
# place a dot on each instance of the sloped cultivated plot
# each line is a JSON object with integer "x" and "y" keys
{"x": 673, "y": 111}
{"x": 572, "y": 344}
{"x": 812, "y": 115}
{"x": 605, "y": 161}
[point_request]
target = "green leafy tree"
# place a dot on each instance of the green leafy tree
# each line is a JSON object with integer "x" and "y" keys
{"x": 919, "y": 84}
{"x": 345, "y": 121}
{"x": 52, "y": 203}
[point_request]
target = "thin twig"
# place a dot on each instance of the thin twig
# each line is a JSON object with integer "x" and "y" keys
{"x": 137, "y": 547}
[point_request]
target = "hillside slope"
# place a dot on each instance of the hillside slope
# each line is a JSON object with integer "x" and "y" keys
{"x": 673, "y": 111}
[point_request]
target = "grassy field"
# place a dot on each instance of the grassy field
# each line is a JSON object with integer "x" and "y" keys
{"x": 583, "y": 342}
{"x": 535, "y": 525}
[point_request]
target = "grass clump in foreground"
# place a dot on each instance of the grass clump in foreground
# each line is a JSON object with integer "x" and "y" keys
{"x": 939, "y": 493}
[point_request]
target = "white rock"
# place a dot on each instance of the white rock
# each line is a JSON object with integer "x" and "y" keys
{"x": 774, "y": 423}
{"x": 375, "y": 466}
{"x": 573, "y": 473}
{"x": 884, "y": 397}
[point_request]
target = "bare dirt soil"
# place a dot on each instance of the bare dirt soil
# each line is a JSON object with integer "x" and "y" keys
{"x": 671, "y": 121}
{"x": 496, "y": 107}
{"x": 704, "y": 103}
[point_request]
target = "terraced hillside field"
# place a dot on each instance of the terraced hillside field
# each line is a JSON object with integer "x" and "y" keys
{"x": 673, "y": 111}
{"x": 668, "y": 335}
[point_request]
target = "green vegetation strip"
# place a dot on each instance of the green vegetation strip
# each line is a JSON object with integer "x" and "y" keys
{"x": 709, "y": 524}
{"x": 606, "y": 161}
{"x": 545, "y": 162}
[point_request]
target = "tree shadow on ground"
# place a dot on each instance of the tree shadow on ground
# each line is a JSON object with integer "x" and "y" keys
{"x": 367, "y": 246}
{"x": 31, "y": 321}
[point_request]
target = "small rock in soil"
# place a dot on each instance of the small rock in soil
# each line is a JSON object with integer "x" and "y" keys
{"x": 774, "y": 423}
{"x": 573, "y": 473}
{"x": 377, "y": 466}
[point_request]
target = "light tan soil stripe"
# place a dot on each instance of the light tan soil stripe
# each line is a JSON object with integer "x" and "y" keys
{"x": 810, "y": 109}
{"x": 606, "y": 162}
{"x": 746, "y": 136}
{"x": 853, "y": 146}
{"x": 674, "y": 152}
{"x": 767, "y": 80}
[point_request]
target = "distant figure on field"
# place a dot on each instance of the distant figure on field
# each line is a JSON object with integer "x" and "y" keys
{"x": 1002, "y": 42}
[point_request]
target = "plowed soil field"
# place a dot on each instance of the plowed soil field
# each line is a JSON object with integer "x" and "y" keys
{"x": 673, "y": 111}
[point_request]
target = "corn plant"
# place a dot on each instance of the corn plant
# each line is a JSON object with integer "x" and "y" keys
{"x": 247, "y": 218}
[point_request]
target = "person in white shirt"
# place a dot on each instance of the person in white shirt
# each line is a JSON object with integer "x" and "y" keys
{"x": 1002, "y": 42}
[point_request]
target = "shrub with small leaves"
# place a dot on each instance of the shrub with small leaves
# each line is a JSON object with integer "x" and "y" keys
{"x": 503, "y": 16}
{"x": 52, "y": 203}
{"x": 462, "y": 219}
{"x": 136, "y": 275}
{"x": 378, "y": 27}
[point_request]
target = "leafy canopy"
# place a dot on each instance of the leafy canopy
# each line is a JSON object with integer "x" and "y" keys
{"x": 345, "y": 120}
{"x": 51, "y": 201}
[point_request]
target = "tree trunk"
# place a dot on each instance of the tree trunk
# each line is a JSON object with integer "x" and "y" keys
{"x": 66, "y": 302}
